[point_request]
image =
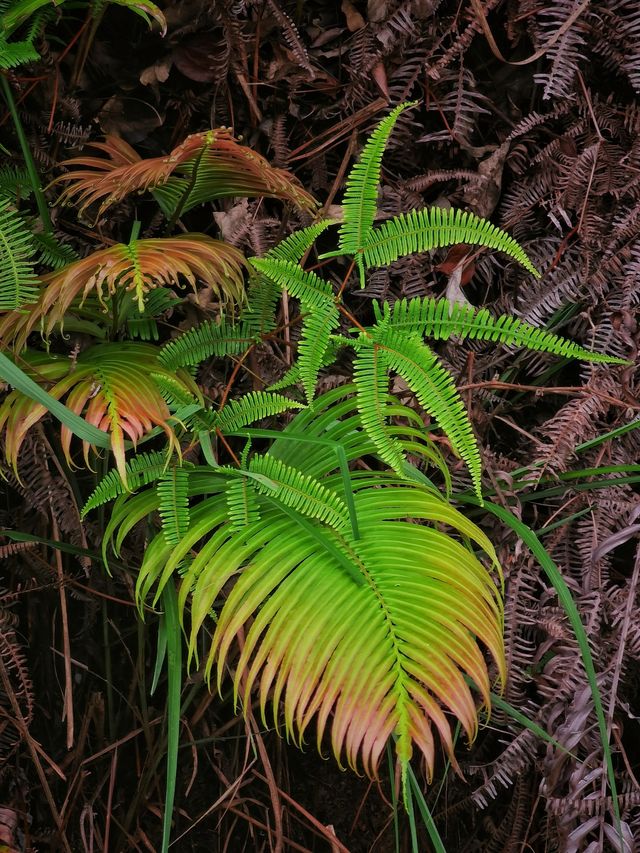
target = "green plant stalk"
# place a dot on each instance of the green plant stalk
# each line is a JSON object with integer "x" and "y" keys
{"x": 34, "y": 178}
{"x": 566, "y": 599}
{"x": 414, "y": 791}
{"x": 174, "y": 670}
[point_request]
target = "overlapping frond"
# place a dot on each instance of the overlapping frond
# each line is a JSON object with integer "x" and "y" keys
{"x": 435, "y": 391}
{"x": 204, "y": 167}
{"x": 141, "y": 470}
{"x": 293, "y": 247}
{"x": 434, "y": 227}
{"x": 113, "y": 385}
{"x": 18, "y": 281}
{"x": 439, "y": 319}
{"x": 136, "y": 267}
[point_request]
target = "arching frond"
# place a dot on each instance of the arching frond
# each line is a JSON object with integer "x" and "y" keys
{"x": 16, "y": 53}
{"x": 217, "y": 338}
{"x": 317, "y": 328}
{"x": 305, "y": 285}
{"x": 141, "y": 470}
{"x": 113, "y": 384}
{"x": 204, "y": 167}
{"x": 252, "y": 407}
{"x": 293, "y": 247}
{"x": 370, "y": 374}
{"x": 18, "y": 281}
{"x": 439, "y": 319}
{"x": 242, "y": 503}
{"x": 436, "y": 392}
{"x": 361, "y": 193}
{"x": 173, "y": 503}
{"x": 302, "y": 492}
{"x": 136, "y": 267}
{"x": 434, "y": 227}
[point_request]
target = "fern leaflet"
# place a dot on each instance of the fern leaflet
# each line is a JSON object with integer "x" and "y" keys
{"x": 210, "y": 339}
{"x": 140, "y": 471}
{"x": 361, "y": 194}
{"x": 242, "y": 503}
{"x": 295, "y": 245}
{"x": 434, "y": 227}
{"x": 300, "y": 492}
{"x": 173, "y": 495}
{"x": 436, "y": 392}
{"x": 439, "y": 319}
{"x": 252, "y": 407}
{"x": 18, "y": 281}
{"x": 304, "y": 285}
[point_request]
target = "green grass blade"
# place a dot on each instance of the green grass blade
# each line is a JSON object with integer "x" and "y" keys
{"x": 19, "y": 380}
{"x": 161, "y": 653}
{"x": 427, "y": 818}
{"x": 174, "y": 669}
{"x": 566, "y": 599}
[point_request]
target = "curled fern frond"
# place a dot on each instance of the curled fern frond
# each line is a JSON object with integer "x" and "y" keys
{"x": 252, "y": 407}
{"x": 439, "y": 319}
{"x": 143, "y": 469}
{"x": 18, "y": 281}
{"x": 173, "y": 495}
{"x": 435, "y": 227}
{"x": 213, "y": 338}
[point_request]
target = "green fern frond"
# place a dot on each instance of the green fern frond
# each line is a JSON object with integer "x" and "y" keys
{"x": 361, "y": 194}
{"x": 18, "y": 281}
{"x": 14, "y": 182}
{"x": 292, "y": 376}
{"x": 434, "y": 227}
{"x": 252, "y": 407}
{"x": 436, "y": 392}
{"x": 259, "y": 313}
{"x": 143, "y": 469}
{"x": 173, "y": 496}
{"x": 370, "y": 374}
{"x": 313, "y": 291}
{"x": 15, "y": 53}
{"x": 173, "y": 391}
{"x": 439, "y": 319}
{"x": 293, "y": 247}
{"x": 51, "y": 252}
{"x": 143, "y": 324}
{"x": 242, "y": 503}
{"x": 213, "y": 338}
{"x": 300, "y": 492}
{"x": 312, "y": 347}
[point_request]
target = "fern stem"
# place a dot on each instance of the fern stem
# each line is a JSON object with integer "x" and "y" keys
{"x": 34, "y": 177}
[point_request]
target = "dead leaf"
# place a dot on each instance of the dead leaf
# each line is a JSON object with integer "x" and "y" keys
{"x": 483, "y": 195}
{"x": 156, "y": 73}
{"x": 355, "y": 21}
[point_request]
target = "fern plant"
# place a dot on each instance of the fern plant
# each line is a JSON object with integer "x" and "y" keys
{"x": 395, "y": 343}
{"x": 410, "y": 603}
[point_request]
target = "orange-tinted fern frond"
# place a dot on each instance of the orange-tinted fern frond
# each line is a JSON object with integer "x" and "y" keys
{"x": 138, "y": 266}
{"x": 114, "y": 385}
{"x": 204, "y": 167}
